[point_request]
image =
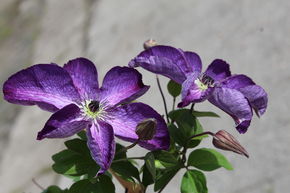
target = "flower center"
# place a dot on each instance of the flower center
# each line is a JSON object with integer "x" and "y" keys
{"x": 94, "y": 106}
{"x": 93, "y": 109}
{"x": 204, "y": 81}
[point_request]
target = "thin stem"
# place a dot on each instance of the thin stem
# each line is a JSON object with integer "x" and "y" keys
{"x": 125, "y": 159}
{"x": 184, "y": 154}
{"x": 39, "y": 186}
{"x": 173, "y": 105}
{"x": 192, "y": 107}
{"x": 128, "y": 147}
{"x": 163, "y": 98}
{"x": 200, "y": 134}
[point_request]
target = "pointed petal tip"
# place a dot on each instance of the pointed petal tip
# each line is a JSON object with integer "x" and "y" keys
{"x": 243, "y": 126}
{"x": 101, "y": 172}
{"x": 39, "y": 136}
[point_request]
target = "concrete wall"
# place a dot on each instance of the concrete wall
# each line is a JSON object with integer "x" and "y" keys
{"x": 252, "y": 35}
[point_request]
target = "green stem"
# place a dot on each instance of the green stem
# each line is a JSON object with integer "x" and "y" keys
{"x": 183, "y": 159}
{"x": 125, "y": 159}
{"x": 173, "y": 105}
{"x": 192, "y": 107}
{"x": 163, "y": 98}
{"x": 128, "y": 147}
{"x": 201, "y": 134}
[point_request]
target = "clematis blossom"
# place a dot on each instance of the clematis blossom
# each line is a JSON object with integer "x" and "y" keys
{"x": 236, "y": 95}
{"x": 73, "y": 94}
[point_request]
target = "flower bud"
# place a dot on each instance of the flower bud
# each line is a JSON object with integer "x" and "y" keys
{"x": 225, "y": 141}
{"x": 146, "y": 129}
{"x": 149, "y": 43}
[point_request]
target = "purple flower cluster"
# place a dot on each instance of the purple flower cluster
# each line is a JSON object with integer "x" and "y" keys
{"x": 77, "y": 101}
{"x": 237, "y": 95}
{"x": 73, "y": 94}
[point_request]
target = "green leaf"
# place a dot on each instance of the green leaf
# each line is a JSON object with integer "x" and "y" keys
{"x": 176, "y": 114}
{"x": 103, "y": 184}
{"x": 188, "y": 125}
{"x": 208, "y": 160}
{"x": 193, "y": 181}
{"x": 68, "y": 162}
{"x": 120, "y": 154}
{"x": 164, "y": 177}
{"x": 82, "y": 134}
{"x": 165, "y": 158}
{"x": 54, "y": 189}
{"x": 204, "y": 114}
{"x": 126, "y": 170}
{"x": 197, "y": 130}
{"x": 147, "y": 178}
{"x": 150, "y": 164}
{"x": 177, "y": 134}
{"x": 78, "y": 146}
{"x": 174, "y": 88}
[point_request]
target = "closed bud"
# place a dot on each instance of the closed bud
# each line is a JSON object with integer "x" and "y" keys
{"x": 225, "y": 141}
{"x": 146, "y": 129}
{"x": 149, "y": 43}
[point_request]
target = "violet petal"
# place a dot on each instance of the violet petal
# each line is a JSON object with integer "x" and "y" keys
{"x": 126, "y": 118}
{"x": 101, "y": 144}
{"x": 122, "y": 84}
{"x": 164, "y": 60}
{"x": 46, "y": 85}
{"x": 85, "y": 77}
{"x": 64, "y": 123}
{"x": 218, "y": 70}
{"x": 237, "y": 81}
{"x": 191, "y": 92}
{"x": 235, "y": 104}
{"x": 194, "y": 62}
{"x": 257, "y": 97}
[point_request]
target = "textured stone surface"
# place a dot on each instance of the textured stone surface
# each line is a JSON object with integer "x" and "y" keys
{"x": 252, "y": 35}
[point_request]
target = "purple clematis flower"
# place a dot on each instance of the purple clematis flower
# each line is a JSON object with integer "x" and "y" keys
{"x": 73, "y": 94}
{"x": 237, "y": 95}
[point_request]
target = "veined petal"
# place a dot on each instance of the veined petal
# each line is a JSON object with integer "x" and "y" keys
{"x": 235, "y": 104}
{"x": 218, "y": 70}
{"x": 101, "y": 144}
{"x": 257, "y": 97}
{"x": 194, "y": 91}
{"x": 122, "y": 84}
{"x": 237, "y": 81}
{"x": 125, "y": 119}
{"x": 85, "y": 77}
{"x": 64, "y": 123}
{"x": 164, "y": 60}
{"x": 46, "y": 85}
{"x": 194, "y": 62}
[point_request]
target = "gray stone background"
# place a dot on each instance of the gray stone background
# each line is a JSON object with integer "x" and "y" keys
{"x": 252, "y": 35}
